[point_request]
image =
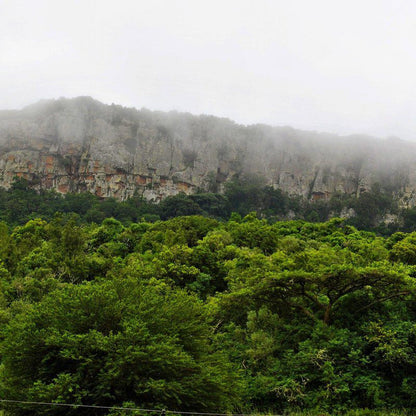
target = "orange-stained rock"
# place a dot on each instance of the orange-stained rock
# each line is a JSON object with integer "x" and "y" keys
{"x": 63, "y": 189}
{"x": 49, "y": 163}
{"x": 74, "y": 144}
{"x": 318, "y": 196}
{"x": 183, "y": 186}
{"x": 141, "y": 180}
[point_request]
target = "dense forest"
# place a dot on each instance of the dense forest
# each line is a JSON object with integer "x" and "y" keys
{"x": 376, "y": 210}
{"x": 132, "y": 304}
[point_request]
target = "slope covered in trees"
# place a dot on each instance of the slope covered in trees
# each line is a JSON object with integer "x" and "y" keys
{"x": 196, "y": 314}
{"x": 375, "y": 210}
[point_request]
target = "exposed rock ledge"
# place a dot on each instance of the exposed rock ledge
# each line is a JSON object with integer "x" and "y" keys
{"x": 75, "y": 145}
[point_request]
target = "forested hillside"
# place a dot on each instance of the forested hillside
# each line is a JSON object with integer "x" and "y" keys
{"x": 375, "y": 210}
{"x": 217, "y": 216}
{"x": 197, "y": 314}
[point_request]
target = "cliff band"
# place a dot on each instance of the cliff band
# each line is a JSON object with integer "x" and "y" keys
{"x": 77, "y": 145}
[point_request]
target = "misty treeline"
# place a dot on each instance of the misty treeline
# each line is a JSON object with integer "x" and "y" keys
{"x": 196, "y": 314}
{"x": 376, "y": 210}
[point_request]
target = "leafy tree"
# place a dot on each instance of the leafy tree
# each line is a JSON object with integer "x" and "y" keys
{"x": 105, "y": 343}
{"x": 316, "y": 316}
{"x": 178, "y": 205}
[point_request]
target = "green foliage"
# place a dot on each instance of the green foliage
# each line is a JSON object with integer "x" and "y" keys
{"x": 178, "y": 205}
{"x": 242, "y": 195}
{"x": 105, "y": 343}
{"x": 249, "y": 194}
{"x": 198, "y": 314}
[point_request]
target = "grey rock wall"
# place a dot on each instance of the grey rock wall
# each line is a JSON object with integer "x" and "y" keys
{"x": 75, "y": 145}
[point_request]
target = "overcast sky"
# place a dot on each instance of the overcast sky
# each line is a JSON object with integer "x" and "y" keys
{"x": 344, "y": 66}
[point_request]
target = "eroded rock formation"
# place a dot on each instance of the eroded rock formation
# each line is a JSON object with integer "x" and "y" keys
{"x": 75, "y": 145}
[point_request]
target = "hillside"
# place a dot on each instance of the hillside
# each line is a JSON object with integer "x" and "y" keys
{"x": 75, "y": 145}
{"x": 197, "y": 315}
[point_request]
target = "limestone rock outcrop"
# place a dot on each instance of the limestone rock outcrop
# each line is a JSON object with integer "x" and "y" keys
{"x": 75, "y": 145}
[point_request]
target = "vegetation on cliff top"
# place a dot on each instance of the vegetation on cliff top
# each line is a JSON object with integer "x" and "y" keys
{"x": 241, "y": 196}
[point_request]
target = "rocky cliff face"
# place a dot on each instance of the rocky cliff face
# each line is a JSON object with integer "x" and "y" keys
{"x": 75, "y": 145}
